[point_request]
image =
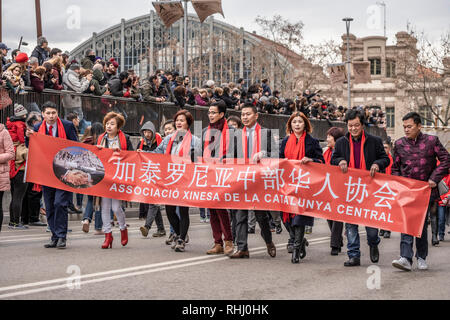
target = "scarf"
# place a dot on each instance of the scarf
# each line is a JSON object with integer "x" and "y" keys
{"x": 185, "y": 145}
{"x": 61, "y": 134}
{"x": 223, "y": 127}
{"x": 327, "y": 155}
{"x": 157, "y": 138}
{"x": 256, "y": 141}
{"x": 294, "y": 150}
{"x": 391, "y": 162}
{"x": 61, "y": 131}
{"x": 122, "y": 139}
{"x": 362, "y": 164}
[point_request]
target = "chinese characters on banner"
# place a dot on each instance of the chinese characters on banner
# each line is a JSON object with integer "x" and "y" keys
{"x": 387, "y": 202}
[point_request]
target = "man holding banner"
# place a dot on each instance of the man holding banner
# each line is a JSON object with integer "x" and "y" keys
{"x": 252, "y": 144}
{"x": 359, "y": 150}
{"x": 415, "y": 157}
{"x": 56, "y": 201}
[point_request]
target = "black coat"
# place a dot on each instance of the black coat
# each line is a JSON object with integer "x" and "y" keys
{"x": 373, "y": 152}
{"x": 313, "y": 151}
{"x": 216, "y": 136}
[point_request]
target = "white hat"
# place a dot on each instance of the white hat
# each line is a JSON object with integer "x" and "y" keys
{"x": 19, "y": 110}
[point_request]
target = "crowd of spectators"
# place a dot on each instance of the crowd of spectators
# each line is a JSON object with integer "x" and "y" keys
{"x": 53, "y": 69}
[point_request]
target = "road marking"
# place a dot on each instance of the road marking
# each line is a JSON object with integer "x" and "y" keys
{"x": 132, "y": 271}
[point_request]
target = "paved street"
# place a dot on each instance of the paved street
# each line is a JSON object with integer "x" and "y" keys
{"x": 148, "y": 269}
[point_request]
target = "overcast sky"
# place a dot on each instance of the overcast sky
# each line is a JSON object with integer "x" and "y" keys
{"x": 322, "y": 18}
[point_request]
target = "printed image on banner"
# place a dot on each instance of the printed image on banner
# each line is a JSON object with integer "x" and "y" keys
{"x": 78, "y": 167}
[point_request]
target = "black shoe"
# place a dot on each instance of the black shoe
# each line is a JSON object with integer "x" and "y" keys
{"x": 72, "y": 209}
{"x": 38, "y": 224}
{"x": 61, "y": 243}
{"x": 434, "y": 240}
{"x": 295, "y": 256}
{"x": 279, "y": 229}
{"x": 290, "y": 248}
{"x": 251, "y": 230}
{"x": 381, "y": 233}
{"x": 352, "y": 262}
{"x": 334, "y": 251}
{"x": 387, "y": 234}
{"x": 374, "y": 254}
{"x": 305, "y": 243}
{"x": 340, "y": 249}
{"x": 51, "y": 244}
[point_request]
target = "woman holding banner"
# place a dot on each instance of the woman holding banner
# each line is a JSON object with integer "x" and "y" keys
{"x": 181, "y": 143}
{"x": 115, "y": 139}
{"x": 299, "y": 145}
{"x": 336, "y": 227}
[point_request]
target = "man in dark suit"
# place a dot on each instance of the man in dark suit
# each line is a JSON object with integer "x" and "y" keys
{"x": 56, "y": 201}
{"x": 359, "y": 150}
{"x": 253, "y": 149}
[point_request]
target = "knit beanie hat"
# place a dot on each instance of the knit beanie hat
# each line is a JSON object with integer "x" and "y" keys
{"x": 19, "y": 110}
{"x": 22, "y": 57}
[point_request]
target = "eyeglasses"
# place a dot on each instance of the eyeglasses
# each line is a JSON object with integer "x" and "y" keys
{"x": 212, "y": 112}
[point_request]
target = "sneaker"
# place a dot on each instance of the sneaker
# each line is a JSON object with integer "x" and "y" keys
{"x": 402, "y": 264}
{"x": 144, "y": 231}
{"x": 85, "y": 225}
{"x": 179, "y": 245}
{"x": 207, "y": 220}
{"x": 20, "y": 227}
{"x": 170, "y": 239}
{"x": 159, "y": 233}
{"x": 202, "y": 219}
{"x": 441, "y": 237}
{"x": 48, "y": 229}
{"x": 308, "y": 230}
{"x": 421, "y": 264}
{"x": 11, "y": 225}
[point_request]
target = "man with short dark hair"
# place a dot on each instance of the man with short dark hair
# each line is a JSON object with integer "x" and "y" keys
{"x": 217, "y": 144}
{"x": 415, "y": 157}
{"x": 252, "y": 144}
{"x": 3, "y": 53}
{"x": 56, "y": 201}
{"x": 55, "y": 52}
{"x": 359, "y": 150}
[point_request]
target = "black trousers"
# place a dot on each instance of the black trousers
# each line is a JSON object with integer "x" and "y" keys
{"x": 31, "y": 205}
{"x": 179, "y": 225}
{"x": 1, "y": 209}
{"x": 299, "y": 234}
{"x": 336, "y": 229}
{"x": 18, "y": 190}
{"x": 242, "y": 228}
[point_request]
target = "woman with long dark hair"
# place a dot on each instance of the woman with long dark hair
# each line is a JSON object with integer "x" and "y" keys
{"x": 299, "y": 145}
{"x": 183, "y": 144}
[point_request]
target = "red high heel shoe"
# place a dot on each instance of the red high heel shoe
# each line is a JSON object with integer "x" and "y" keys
{"x": 108, "y": 241}
{"x": 124, "y": 237}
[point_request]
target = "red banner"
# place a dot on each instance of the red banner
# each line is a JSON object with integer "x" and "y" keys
{"x": 321, "y": 191}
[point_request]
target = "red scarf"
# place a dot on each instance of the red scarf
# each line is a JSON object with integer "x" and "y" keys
{"x": 61, "y": 135}
{"x": 256, "y": 141}
{"x": 391, "y": 162}
{"x": 362, "y": 164}
{"x": 223, "y": 146}
{"x": 157, "y": 138}
{"x": 327, "y": 155}
{"x": 185, "y": 145}
{"x": 294, "y": 150}
{"x": 61, "y": 131}
{"x": 122, "y": 140}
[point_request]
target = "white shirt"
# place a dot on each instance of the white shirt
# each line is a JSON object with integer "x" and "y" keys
{"x": 55, "y": 128}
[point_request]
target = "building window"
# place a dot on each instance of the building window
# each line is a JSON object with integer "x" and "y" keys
{"x": 390, "y": 69}
{"x": 375, "y": 66}
{"x": 427, "y": 116}
{"x": 390, "y": 117}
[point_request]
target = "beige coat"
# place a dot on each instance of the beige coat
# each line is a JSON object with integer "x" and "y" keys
{"x": 6, "y": 154}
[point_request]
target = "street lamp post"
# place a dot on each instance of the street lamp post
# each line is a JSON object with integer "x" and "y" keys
{"x": 347, "y": 25}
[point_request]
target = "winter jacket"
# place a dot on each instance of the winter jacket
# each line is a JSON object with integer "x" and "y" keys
{"x": 41, "y": 54}
{"x": 150, "y": 93}
{"x": 96, "y": 79}
{"x": 37, "y": 83}
{"x": 6, "y": 155}
{"x": 72, "y": 82}
{"x": 199, "y": 101}
{"x": 17, "y": 129}
{"x": 148, "y": 146}
{"x": 9, "y": 77}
